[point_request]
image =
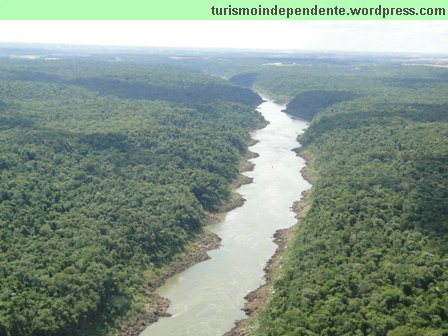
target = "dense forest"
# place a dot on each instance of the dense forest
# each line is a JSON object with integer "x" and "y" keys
{"x": 109, "y": 163}
{"x": 307, "y": 104}
{"x": 106, "y": 170}
{"x": 370, "y": 256}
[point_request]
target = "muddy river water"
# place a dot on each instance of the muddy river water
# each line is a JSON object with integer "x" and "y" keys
{"x": 207, "y": 298}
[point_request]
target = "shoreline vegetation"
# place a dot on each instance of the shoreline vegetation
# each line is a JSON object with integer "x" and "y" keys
{"x": 369, "y": 258}
{"x": 258, "y": 299}
{"x": 156, "y": 306}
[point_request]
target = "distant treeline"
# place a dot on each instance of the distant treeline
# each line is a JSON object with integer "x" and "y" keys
{"x": 160, "y": 83}
{"x": 245, "y": 79}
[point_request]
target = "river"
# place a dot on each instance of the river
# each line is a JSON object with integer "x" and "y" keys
{"x": 207, "y": 298}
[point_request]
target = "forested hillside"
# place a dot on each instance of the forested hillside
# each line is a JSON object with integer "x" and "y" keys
{"x": 106, "y": 170}
{"x": 109, "y": 164}
{"x": 307, "y": 104}
{"x": 370, "y": 256}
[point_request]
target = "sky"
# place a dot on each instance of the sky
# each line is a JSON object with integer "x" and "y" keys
{"x": 371, "y": 36}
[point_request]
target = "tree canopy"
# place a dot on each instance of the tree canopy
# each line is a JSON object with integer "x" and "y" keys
{"x": 106, "y": 170}
{"x": 370, "y": 256}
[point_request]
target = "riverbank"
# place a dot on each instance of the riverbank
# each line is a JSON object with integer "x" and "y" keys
{"x": 210, "y": 294}
{"x": 156, "y": 306}
{"x": 153, "y": 305}
{"x": 236, "y": 200}
{"x": 257, "y": 299}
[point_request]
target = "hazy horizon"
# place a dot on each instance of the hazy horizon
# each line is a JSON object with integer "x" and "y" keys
{"x": 288, "y": 36}
{"x": 119, "y": 47}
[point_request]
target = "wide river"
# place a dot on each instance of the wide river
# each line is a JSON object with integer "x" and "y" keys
{"x": 207, "y": 298}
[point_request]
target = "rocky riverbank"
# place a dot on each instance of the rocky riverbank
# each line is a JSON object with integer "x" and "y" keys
{"x": 157, "y": 306}
{"x": 260, "y": 297}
